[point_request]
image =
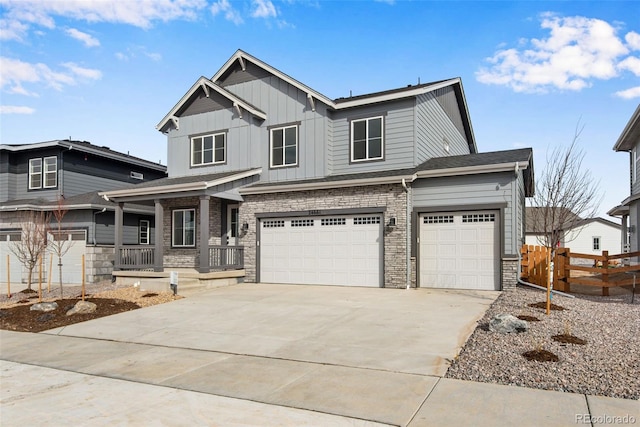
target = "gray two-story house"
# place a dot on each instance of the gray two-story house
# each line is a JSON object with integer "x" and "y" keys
{"x": 39, "y": 176}
{"x": 386, "y": 189}
{"x": 629, "y": 209}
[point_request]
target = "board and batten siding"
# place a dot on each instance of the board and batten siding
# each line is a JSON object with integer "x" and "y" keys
{"x": 635, "y": 186}
{"x": 433, "y": 126}
{"x": 467, "y": 192}
{"x": 248, "y": 137}
{"x": 398, "y": 138}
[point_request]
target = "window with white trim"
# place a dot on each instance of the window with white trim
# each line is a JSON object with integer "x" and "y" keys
{"x": 144, "y": 232}
{"x": 284, "y": 146}
{"x": 43, "y": 173}
{"x": 209, "y": 149}
{"x": 183, "y": 230}
{"x": 367, "y": 141}
{"x": 596, "y": 243}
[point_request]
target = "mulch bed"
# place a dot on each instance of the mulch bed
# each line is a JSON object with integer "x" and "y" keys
{"x": 528, "y": 318}
{"x": 543, "y": 305}
{"x": 568, "y": 339}
{"x": 540, "y": 356}
{"x": 21, "y": 318}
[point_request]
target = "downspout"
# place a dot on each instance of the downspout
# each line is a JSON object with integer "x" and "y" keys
{"x": 94, "y": 225}
{"x": 408, "y": 233}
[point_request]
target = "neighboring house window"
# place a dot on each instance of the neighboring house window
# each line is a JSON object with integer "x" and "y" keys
{"x": 284, "y": 146}
{"x": 43, "y": 173}
{"x": 596, "y": 243}
{"x": 208, "y": 149}
{"x": 184, "y": 228}
{"x": 367, "y": 142}
{"x": 144, "y": 231}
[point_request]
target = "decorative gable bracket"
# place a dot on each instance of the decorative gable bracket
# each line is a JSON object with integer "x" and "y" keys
{"x": 175, "y": 121}
{"x": 312, "y": 102}
{"x": 238, "y": 109}
{"x": 205, "y": 88}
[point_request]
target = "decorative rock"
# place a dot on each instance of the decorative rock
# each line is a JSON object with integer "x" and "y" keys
{"x": 82, "y": 307}
{"x": 44, "y": 306}
{"x": 506, "y": 324}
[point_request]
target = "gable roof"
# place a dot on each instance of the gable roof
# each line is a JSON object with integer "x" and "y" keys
{"x": 534, "y": 215}
{"x": 206, "y": 85}
{"x": 631, "y": 133}
{"x": 85, "y": 147}
{"x": 90, "y": 200}
{"x": 241, "y": 58}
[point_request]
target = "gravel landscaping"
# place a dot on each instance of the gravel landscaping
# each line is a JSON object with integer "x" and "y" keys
{"x": 608, "y": 364}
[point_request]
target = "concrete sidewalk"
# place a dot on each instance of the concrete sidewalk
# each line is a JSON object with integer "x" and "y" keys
{"x": 275, "y": 355}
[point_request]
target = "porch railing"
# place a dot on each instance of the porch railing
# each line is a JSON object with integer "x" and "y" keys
{"x": 136, "y": 257}
{"x": 226, "y": 257}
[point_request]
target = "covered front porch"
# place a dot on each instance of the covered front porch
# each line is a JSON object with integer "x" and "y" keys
{"x": 195, "y": 230}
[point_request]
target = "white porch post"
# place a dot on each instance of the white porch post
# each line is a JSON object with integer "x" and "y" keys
{"x": 204, "y": 234}
{"x": 118, "y": 235}
{"x": 158, "y": 263}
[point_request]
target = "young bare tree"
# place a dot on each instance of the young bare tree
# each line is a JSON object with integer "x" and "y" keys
{"x": 566, "y": 193}
{"x": 33, "y": 240}
{"x": 60, "y": 244}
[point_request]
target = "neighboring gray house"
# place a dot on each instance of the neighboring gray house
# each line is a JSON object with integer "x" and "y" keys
{"x": 33, "y": 176}
{"x": 629, "y": 209}
{"x": 385, "y": 189}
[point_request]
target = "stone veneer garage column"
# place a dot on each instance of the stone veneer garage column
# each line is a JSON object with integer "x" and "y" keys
{"x": 389, "y": 196}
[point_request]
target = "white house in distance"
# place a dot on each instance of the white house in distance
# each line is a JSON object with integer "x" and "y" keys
{"x": 585, "y": 236}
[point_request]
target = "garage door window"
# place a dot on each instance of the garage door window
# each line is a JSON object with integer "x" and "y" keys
{"x": 333, "y": 221}
{"x": 273, "y": 223}
{"x": 184, "y": 228}
{"x": 479, "y": 218}
{"x": 362, "y": 220}
{"x": 302, "y": 223}
{"x": 438, "y": 219}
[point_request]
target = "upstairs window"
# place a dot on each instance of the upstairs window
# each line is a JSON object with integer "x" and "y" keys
{"x": 43, "y": 173}
{"x": 284, "y": 146}
{"x": 367, "y": 142}
{"x": 184, "y": 228}
{"x": 209, "y": 149}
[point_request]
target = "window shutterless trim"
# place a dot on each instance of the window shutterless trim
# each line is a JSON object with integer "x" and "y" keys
{"x": 367, "y": 139}
{"x": 173, "y": 224}
{"x": 213, "y": 149}
{"x": 43, "y": 174}
{"x": 297, "y": 145}
{"x": 148, "y": 232}
{"x": 46, "y": 172}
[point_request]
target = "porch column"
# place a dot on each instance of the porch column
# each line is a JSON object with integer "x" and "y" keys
{"x": 204, "y": 234}
{"x": 158, "y": 263}
{"x": 118, "y": 235}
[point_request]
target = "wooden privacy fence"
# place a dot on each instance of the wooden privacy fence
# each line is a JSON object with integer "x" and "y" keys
{"x": 602, "y": 270}
{"x": 535, "y": 264}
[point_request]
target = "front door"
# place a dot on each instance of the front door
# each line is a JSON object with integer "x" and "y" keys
{"x": 232, "y": 225}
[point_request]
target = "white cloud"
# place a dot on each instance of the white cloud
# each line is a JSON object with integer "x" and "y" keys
{"x": 16, "y": 73}
{"x": 632, "y": 64}
{"x": 633, "y": 40}
{"x": 87, "y": 39}
{"x": 230, "y": 14}
{"x": 577, "y": 51}
{"x": 15, "y": 109}
{"x": 135, "y": 51}
{"x": 263, "y": 9}
{"x": 634, "y": 92}
{"x": 20, "y": 14}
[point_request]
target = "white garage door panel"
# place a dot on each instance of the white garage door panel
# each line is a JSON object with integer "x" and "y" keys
{"x": 459, "y": 250}
{"x": 336, "y": 250}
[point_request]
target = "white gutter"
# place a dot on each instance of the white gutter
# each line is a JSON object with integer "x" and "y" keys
{"x": 177, "y": 188}
{"x": 470, "y": 170}
{"x": 282, "y": 188}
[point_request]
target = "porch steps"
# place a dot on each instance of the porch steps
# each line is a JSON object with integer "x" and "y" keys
{"x": 190, "y": 281}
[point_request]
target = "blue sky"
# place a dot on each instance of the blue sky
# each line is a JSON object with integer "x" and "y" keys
{"x": 108, "y": 71}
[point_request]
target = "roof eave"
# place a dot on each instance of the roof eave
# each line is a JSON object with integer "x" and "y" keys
{"x": 469, "y": 170}
{"x": 630, "y": 134}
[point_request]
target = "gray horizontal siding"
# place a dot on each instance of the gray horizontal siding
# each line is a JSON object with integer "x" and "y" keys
{"x": 398, "y": 138}
{"x": 433, "y": 125}
{"x": 105, "y": 229}
{"x": 472, "y": 190}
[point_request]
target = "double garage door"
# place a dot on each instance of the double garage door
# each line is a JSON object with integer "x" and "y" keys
{"x": 322, "y": 250}
{"x": 460, "y": 250}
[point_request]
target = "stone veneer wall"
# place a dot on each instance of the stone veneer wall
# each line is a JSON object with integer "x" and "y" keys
{"x": 188, "y": 257}
{"x": 509, "y": 274}
{"x": 99, "y": 263}
{"x": 391, "y": 196}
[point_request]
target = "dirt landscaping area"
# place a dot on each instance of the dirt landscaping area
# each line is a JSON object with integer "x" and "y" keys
{"x": 16, "y": 313}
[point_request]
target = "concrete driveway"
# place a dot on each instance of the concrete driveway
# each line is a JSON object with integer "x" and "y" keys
{"x": 368, "y": 354}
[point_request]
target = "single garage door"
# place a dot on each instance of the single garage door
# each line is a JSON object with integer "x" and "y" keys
{"x": 17, "y": 272}
{"x": 327, "y": 250}
{"x": 75, "y": 246}
{"x": 460, "y": 250}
